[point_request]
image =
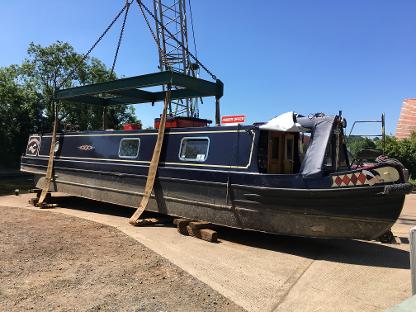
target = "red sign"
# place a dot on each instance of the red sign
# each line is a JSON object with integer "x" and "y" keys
{"x": 233, "y": 119}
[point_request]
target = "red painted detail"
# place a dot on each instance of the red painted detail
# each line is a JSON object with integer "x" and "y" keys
{"x": 183, "y": 122}
{"x": 346, "y": 179}
{"x": 338, "y": 180}
{"x": 233, "y": 119}
{"x": 135, "y": 126}
{"x": 362, "y": 178}
{"x": 354, "y": 179}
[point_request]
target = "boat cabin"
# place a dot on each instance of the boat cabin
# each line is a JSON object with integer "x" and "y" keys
{"x": 284, "y": 142}
{"x": 278, "y": 152}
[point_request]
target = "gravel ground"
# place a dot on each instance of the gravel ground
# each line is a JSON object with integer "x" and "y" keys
{"x": 53, "y": 262}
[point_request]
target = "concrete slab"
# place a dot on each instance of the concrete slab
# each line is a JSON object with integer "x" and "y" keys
{"x": 409, "y": 305}
{"x": 262, "y": 272}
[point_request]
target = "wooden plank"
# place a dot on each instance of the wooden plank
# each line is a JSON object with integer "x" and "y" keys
{"x": 33, "y": 201}
{"x": 204, "y": 234}
{"x": 182, "y": 226}
{"x": 197, "y": 225}
{"x": 177, "y": 220}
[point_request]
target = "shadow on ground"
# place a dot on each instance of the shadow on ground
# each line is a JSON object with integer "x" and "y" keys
{"x": 344, "y": 251}
{"x": 15, "y": 181}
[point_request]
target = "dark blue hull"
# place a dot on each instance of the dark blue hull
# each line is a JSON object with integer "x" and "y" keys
{"x": 226, "y": 186}
{"x": 363, "y": 212}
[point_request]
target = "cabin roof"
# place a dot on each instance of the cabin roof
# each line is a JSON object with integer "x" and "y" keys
{"x": 189, "y": 130}
{"x": 131, "y": 90}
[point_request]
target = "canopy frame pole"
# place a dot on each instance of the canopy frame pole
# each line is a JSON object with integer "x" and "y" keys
{"x": 217, "y": 112}
{"x": 49, "y": 171}
{"x": 154, "y": 164}
{"x": 104, "y": 117}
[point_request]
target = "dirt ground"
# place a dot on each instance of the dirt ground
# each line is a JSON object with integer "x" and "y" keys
{"x": 53, "y": 262}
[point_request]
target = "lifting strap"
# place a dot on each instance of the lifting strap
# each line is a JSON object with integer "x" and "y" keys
{"x": 151, "y": 175}
{"x": 49, "y": 171}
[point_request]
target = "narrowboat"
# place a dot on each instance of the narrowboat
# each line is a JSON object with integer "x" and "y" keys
{"x": 289, "y": 176}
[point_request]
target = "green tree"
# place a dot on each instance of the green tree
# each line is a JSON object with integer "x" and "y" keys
{"x": 27, "y": 91}
{"x": 403, "y": 150}
{"x": 20, "y": 114}
{"x": 59, "y": 66}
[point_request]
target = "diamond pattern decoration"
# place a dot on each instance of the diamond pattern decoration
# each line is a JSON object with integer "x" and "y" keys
{"x": 362, "y": 178}
{"x": 346, "y": 179}
{"x": 350, "y": 179}
{"x": 338, "y": 180}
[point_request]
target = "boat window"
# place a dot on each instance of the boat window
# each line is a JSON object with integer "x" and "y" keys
{"x": 129, "y": 148}
{"x": 194, "y": 149}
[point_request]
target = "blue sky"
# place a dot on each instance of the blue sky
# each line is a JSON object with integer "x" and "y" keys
{"x": 357, "y": 56}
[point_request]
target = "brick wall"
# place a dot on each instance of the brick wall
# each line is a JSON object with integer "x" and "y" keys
{"x": 407, "y": 120}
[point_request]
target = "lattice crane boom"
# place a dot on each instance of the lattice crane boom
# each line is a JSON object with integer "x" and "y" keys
{"x": 171, "y": 29}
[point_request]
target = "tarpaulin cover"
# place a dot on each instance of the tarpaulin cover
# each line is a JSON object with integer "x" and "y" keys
{"x": 285, "y": 122}
{"x": 321, "y": 132}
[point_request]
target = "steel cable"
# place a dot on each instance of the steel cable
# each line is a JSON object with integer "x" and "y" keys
{"x": 123, "y": 26}
{"x": 86, "y": 55}
{"x": 140, "y": 3}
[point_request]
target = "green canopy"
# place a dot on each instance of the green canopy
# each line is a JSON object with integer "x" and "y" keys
{"x": 130, "y": 90}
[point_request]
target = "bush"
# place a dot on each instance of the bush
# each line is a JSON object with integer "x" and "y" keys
{"x": 357, "y": 143}
{"x": 403, "y": 150}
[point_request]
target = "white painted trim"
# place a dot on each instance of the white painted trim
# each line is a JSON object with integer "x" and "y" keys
{"x": 144, "y": 133}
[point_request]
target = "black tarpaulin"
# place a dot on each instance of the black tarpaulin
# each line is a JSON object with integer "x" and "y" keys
{"x": 321, "y": 132}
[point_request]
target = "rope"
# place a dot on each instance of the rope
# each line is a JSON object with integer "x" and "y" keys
{"x": 140, "y": 3}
